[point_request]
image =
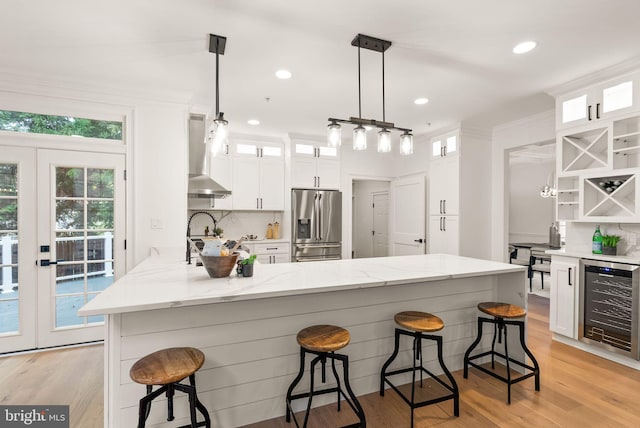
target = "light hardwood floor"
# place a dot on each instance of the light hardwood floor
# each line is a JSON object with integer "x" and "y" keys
{"x": 577, "y": 390}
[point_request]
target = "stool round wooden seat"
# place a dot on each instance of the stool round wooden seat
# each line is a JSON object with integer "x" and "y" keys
{"x": 322, "y": 341}
{"x": 502, "y": 310}
{"x": 418, "y": 321}
{"x": 417, "y": 325}
{"x": 167, "y": 366}
{"x": 503, "y": 315}
{"x": 323, "y": 338}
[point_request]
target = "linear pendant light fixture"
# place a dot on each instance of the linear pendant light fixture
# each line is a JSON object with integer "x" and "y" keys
{"x": 219, "y": 130}
{"x": 360, "y": 132}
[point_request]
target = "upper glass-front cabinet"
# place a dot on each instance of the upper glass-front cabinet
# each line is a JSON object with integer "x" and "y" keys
{"x": 445, "y": 145}
{"x": 599, "y": 102}
{"x": 314, "y": 150}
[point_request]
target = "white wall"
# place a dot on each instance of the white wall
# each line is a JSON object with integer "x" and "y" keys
{"x": 530, "y": 215}
{"x": 363, "y": 215}
{"x": 530, "y": 130}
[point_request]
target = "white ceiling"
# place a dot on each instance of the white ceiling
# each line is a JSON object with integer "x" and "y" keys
{"x": 457, "y": 53}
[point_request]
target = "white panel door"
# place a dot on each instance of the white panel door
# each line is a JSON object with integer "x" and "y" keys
{"x": 17, "y": 249}
{"x": 380, "y": 224}
{"x": 407, "y": 212}
{"x": 81, "y": 218}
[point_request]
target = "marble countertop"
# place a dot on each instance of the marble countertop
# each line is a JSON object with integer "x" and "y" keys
{"x": 634, "y": 260}
{"x": 164, "y": 279}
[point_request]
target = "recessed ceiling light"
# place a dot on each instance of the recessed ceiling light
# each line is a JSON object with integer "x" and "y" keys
{"x": 283, "y": 74}
{"x": 253, "y": 122}
{"x": 524, "y": 47}
{"x": 421, "y": 101}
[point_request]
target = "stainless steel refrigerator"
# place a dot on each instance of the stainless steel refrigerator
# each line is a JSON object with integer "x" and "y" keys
{"x": 316, "y": 219}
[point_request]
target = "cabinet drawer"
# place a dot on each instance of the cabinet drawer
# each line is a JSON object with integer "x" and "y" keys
{"x": 280, "y": 247}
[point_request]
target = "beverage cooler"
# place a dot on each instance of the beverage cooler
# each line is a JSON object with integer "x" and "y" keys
{"x": 609, "y": 298}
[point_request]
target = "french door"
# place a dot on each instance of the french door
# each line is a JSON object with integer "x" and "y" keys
{"x": 62, "y": 235}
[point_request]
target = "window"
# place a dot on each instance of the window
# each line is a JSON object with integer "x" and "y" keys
{"x": 17, "y": 121}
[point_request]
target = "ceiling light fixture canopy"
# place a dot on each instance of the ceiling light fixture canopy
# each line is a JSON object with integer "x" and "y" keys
{"x": 359, "y": 132}
{"x": 218, "y": 132}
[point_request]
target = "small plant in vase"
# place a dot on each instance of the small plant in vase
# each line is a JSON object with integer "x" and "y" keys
{"x": 610, "y": 244}
{"x": 245, "y": 266}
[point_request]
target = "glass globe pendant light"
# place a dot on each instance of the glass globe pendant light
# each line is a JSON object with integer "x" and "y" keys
{"x": 384, "y": 141}
{"x": 359, "y": 138}
{"x": 334, "y": 134}
{"x": 406, "y": 144}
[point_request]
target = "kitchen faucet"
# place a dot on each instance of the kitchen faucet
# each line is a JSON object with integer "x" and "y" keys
{"x": 215, "y": 226}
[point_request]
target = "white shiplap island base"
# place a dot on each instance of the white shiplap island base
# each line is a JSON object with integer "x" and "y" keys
{"x": 247, "y": 326}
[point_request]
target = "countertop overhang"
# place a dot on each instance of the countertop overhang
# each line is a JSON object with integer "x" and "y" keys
{"x": 164, "y": 280}
{"x": 632, "y": 260}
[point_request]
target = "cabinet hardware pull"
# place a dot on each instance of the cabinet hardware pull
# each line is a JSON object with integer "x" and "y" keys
{"x": 445, "y": 150}
{"x": 260, "y": 203}
{"x": 440, "y": 206}
{"x": 257, "y": 204}
{"x": 444, "y": 224}
{"x": 597, "y": 110}
{"x": 570, "y": 276}
{"x": 441, "y": 224}
{"x": 444, "y": 206}
{"x": 589, "y": 112}
{"x": 318, "y": 181}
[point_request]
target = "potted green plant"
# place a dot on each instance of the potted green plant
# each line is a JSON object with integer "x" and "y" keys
{"x": 610, "y": 244}
{"x": 245, "y": 266}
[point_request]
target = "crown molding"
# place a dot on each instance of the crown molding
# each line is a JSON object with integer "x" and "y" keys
{"x": 608, "y": 73}
{"x": 538, "y": 117}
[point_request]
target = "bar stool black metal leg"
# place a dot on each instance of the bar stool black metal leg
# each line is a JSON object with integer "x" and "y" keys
{"x": 413, "y": 376}
{"x": 471, "y": 348}
{"x": 335, "y": 374}
{"x": 454, "y": 385}
{"x": 506, "y": 354}
{"x": 294, "y": 384}
{"x": 393, "y": 356}
{"x": 493, "y": 345}
{"x": 170, "y": 393}
{"x": 354, "y": 400}
{"x": 311, "y": 386}
{"x": 530, "y": 355}
{"x": 145, "y": 404}
{"x": 203, "y": 410}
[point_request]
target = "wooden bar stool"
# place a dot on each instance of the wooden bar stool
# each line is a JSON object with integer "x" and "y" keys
{"x": 166, "y": 368}
{"x": 322, "y": 341}
{"x": 503, "y": 315}
{"x": 415, "y": 325}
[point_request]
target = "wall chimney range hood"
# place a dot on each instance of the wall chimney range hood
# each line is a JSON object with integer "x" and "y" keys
{"x": 201, "y": 185}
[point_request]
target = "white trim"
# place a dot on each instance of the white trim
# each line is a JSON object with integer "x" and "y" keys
{"x": 618, "y": 70}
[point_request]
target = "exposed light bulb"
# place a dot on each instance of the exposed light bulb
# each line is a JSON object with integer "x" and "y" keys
{"x": 334, "y": 134}
{"x": 384, "y": 141}
{"x": 359, "y": 138}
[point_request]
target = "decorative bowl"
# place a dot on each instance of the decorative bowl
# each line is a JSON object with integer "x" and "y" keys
{"x": 219, "y": 266}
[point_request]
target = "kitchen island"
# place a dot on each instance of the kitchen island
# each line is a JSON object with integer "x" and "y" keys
{"x": 247, "y": 326}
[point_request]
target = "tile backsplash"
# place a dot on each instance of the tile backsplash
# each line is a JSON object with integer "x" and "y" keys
{"x": 239, "y": 223}
{"x": 579, "y": 236}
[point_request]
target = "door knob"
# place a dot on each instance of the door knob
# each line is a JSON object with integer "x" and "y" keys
{"x": 420, "y": 241}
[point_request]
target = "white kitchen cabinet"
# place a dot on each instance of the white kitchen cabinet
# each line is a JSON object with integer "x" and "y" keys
{"x": 314, "y": 165}
{"x": 459, "y": 195}
{"x": 445, "y": 145}
{"x": 220, "y": 169}
{"x": 563, "y": 299}
{"x": 599, "y": 102}
{"x": 619, "y": 203}
{"x": 258, "y": 177}
{"x": 444, "y": 187}
{"x": 444, "y": 234}
{"x": 270, "y": 252}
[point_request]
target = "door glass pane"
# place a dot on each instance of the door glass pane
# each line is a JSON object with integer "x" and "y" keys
{"x": 69, "y": 214}
{"x": 452, "y": 144}
{"x": 8, "y": 179}
{"x": 436, "y": 147}
{"x": 574, "y": 109}
{"x": 84, "y": 240}
{"x": 100, "y": 215}
{"x": 9, "y": 304}
{"x": 100, "y": 183}
{"x": 67, "y": 310}
{"x": 617, "y": 97}
{"x": 70, "y": 246}
{"x": 69, "y": 182}
{"x": 95, "y": 318}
